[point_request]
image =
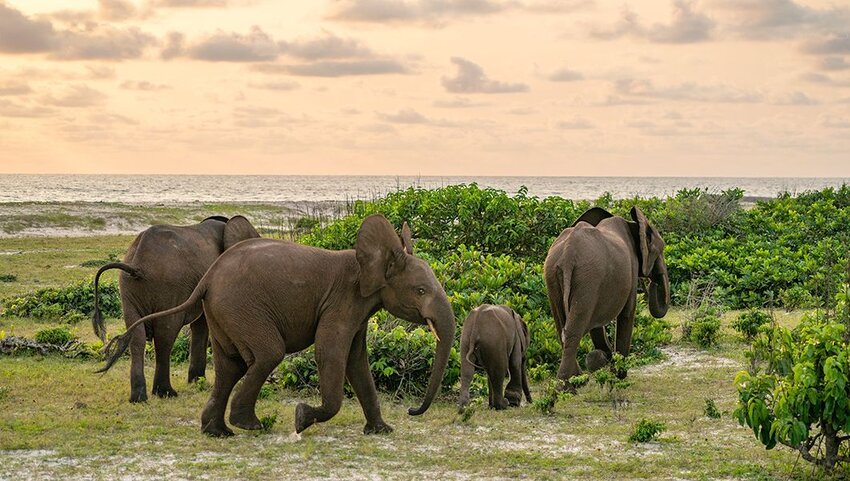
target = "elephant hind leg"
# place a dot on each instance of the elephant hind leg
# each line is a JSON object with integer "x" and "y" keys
{"x": 599, "y": 357}
{"x": 138, "y": 386}
{"x": 198, "y": 349}
{"x": 496, "y": 375}
{"x": 165, "y": 333}
{"x": 265, "y": 360}
{"x": 228, "y": 370}
{"x": 513, "y": 392}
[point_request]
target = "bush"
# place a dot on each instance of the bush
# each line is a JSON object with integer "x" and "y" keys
{"x": 797, "y": 389}
{"x": 703, "y": 330}
{"x": 57, "y": 336}
{"x": 646, "y": 430}
{"x": 710, "y": 410}
{"x": 749, "y": 322}
{"x": 52, "y": 303}
{"x": 545, "y": 402}
{"x": 8, "y": 278}
{"x": 180, "y": 351}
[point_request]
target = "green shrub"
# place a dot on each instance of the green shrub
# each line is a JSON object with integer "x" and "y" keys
{"x": 268, "y": 422}
{"x": 73, "y": 317}
{"x": 646, "y": 430}
{"x": 180, "y": 351}
{"x": 796, "y": 297}
{"x": 57, "y": 336}
{"x": 8, "y": 278}
{"x": 545, "y": 402}
{"x": 703, "y": 330}
{"x": 710, "y": 410}
{"x": 51, "y": 303}
{"x": 749, "y": 322}
{"x": 797, "y": 389}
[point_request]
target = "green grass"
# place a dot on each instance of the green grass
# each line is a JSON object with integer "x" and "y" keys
{"x": 60, "y": 420}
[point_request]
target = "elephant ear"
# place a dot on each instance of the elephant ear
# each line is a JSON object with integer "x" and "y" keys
{"x": 593, "y": 216}
{"x": 406, "y": 239}
{"x": 379, "y": 253}
{"x": 236, "y": 230}
{"x": 643, "y": 239}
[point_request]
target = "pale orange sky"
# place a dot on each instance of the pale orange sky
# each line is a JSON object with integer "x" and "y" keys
{"x": 431, "y": 87}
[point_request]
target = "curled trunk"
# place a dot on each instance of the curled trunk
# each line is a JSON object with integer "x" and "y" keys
{"x": 658, "y": 297}
{"x": 445, "y": 327}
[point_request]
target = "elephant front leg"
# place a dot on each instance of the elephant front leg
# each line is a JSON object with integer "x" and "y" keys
{"x": 332, "y": 349}
{"x": 625, "y": 327}
{"x": 361, "y": 380}
{"x": 265, "y": 359}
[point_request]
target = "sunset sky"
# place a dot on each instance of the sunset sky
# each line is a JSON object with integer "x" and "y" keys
{"x": 430, "y": 87}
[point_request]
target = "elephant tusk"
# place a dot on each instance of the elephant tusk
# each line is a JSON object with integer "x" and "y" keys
{"x": 431, "y": 325}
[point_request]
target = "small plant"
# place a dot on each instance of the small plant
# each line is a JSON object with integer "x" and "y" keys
{"x": 749, "y": 322}
{"x": 469, "y": 410}
{"x": 8, "y": 278}
{"x": 796, "y": 297}
{"x": 180, "y": 351}
{"x": 201, "y": 384}
{"x": 711, "y": 410}
{"x": 703, "y": 325}
{"x": 552, "y": 393}
{"x": 646, "y": 430}
{"x": 266, "y": 391}
{"x": 268, "y": 422}
{"x": 57, "y": 336}
{"x": 73, "y": 317}
{"x": 4, "y": 392}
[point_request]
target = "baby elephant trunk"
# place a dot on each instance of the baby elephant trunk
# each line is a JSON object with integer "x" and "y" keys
{"x": 444, "y": 325}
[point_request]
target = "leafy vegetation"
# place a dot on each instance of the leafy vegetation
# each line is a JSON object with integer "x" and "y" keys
{"x": 749, "y": 322}
{"x": 710, "y": 410}
{"x": 57, "y": 336}
{"x": 646, "y": 430}
{"x": 54, "y": 303}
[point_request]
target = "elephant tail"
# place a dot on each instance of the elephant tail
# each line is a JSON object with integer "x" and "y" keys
{"x": 97, "y": 317}
{"x": 472, "y": 343}
{"x": 566, "y": 280}
{"x": 119, "y": 344}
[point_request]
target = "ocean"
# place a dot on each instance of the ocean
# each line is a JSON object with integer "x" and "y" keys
{"x": 274, "y": 188}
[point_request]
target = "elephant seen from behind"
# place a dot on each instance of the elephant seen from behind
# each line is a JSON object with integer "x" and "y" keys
{"x": 265, "y": 298}
{"x": 160, "y": 269}
{"x": 592, "y": 273}
{"x": 495, "y": 338}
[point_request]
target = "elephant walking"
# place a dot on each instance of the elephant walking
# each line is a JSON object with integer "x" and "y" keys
{"x": 592, "y": 272}
{"x": 265, "y": 298}
{"x": 160, "y": 269}
{"x": 496, "y": 339}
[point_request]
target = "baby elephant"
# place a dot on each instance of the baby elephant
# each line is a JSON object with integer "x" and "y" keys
{"x": 495, "y": 338}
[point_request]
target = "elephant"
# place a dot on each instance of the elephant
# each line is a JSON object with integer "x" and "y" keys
{"x": 266, "y": 298}
{"x": 495, "y": 338}
{"x": 592, "y": 273}
{"x": 160, "y": 269}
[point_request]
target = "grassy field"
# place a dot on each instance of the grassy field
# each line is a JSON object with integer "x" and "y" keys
{"x": 62, "y": 421}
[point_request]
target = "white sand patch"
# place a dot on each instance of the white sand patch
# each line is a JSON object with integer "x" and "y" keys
{"x": 687, "y": 358}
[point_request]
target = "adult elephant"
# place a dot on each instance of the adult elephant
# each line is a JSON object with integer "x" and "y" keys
{"x": 160, "y": 269}
{"x": 592, "y": 273}
{"x": 265, "y": 298}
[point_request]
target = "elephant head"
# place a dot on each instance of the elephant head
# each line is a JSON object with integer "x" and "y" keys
{"x": 650, "y": 248}
{"x": 236, "y": 230}
{"x": 408, "y": 289}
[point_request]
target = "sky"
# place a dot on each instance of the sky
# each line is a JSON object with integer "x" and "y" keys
{"x": 426, "y": 87}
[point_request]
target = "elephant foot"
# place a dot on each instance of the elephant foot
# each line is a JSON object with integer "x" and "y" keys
{"x": 194, "y": 376}
{"x": 304, "y": 417}
{"x": 596, "y": 360}
{"x": 217, "y": 430}
{"x": 513, "y": 402}
{"x": 377, "y": 428}
{"x": 138, "y": 397}
{"x": 245, "y": 419}
{"x": 621, "y": 374}
{"x": 164, "y": 392}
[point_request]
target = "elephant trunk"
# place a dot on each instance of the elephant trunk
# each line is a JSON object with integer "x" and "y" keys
{"x": 659, "y": 290}
{"x": 444, "y": 325}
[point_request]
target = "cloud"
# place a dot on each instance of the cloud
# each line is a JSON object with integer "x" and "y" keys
{"x": 834, "y": 123}
{"x": 338, "y": 68}
{"x": 575, "y": 124}
{"x": 143, "y": 85}
{"x": 686, "y": 26}
{"x": 256, "y": 46}
{"x": 327, "y": 47}
{"x": 793, "y": 98}
{"x": 76, "y": 96}
{"x": 9, "y": 108}
{"x": 778, "y": 19}
{"x": 19, "y": 34}
{"x": 630, "y": 87}
{"x": 14, "y": 88}
{"x": 283, "y": 86}
{"x": 174, "y": 46}
{"x": 457, "y": 103}
{"x": 105, "y": 44}
{"x": 189, "y": 3}
{"x": 829, "y": 45}
{"x": 405, "y": 10}
{"x": 117, "y": 10}
{"x": 565, "y": 75}
{"x": 404, "y": 116}
{"x": 833, "y": 63}
{"x": 820, "y": 78}
{"x": 470, "y": 78}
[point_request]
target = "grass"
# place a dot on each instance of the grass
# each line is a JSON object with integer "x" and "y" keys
{"x": 60, "y": 420}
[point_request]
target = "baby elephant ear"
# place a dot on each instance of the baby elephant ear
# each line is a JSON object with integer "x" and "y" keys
{"x": 236, "y": 230}
{"x": 378, "y": 251}
{"x": 406, "y": 238}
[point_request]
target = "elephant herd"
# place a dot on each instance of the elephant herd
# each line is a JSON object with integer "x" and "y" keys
{"x": 256, "y": 300}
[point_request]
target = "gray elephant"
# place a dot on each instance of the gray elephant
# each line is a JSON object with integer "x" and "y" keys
{"x": 495, "y": 338}
{"x": 160, "y": 269}
{"x": 592, "y": 273}
{"x": 265, "y": 298}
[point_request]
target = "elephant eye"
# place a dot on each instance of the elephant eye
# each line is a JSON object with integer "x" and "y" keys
{"x": 420, "y": 290}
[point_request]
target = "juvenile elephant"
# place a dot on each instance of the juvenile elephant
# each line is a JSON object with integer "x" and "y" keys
{"x": 265, "y": 298}
{"x": 496, "y": 339}
{"x": 160, "y": 269}
{"x": 592, "y": 273}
